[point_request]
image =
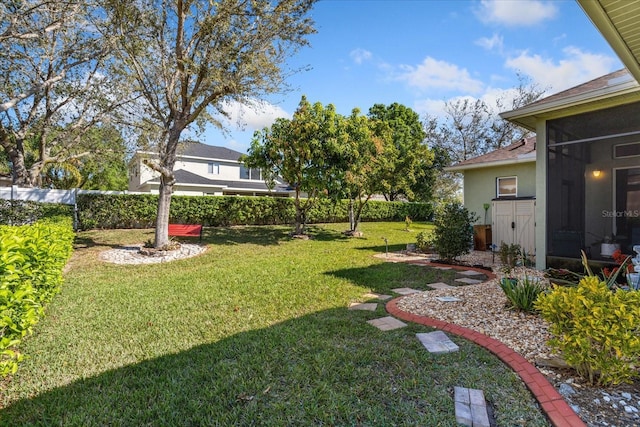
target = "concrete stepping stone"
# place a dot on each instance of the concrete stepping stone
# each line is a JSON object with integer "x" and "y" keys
{"x": 405, "y": 291}
{"x": 471, "y": 407}
{"x": 468, "y": 281}
{"x": 381, "y": 297}
{"x": 440, "y": 285}
{"x": 367, "y": 306}
{"x": 470, "y": 273}
{"x": 443, "y": 268}
{"x": 448, "y": 299}
{"x": 437, "y": 342}
{"x": 387, "y": 323}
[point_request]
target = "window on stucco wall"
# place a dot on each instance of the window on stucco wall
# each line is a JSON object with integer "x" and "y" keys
{"x": 507, "y": 186}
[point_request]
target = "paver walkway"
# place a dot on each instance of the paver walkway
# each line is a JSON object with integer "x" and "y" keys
{"x": 471, "y": 408}
{"x": 558, "y": 411}
{"x": 552, "y": 403}
{"x": 437, "y": 342}
{"x": 387, "y": 323}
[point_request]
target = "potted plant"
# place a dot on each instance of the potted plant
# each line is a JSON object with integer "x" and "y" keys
{"x": 609, "y": 246}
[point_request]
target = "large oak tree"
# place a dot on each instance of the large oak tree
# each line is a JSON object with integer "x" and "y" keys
{"x": 190, "y": 57}
{"x": 54, "y": 84}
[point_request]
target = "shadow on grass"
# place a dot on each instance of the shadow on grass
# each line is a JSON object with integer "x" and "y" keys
{"x": 263, "y": 235}
{"x": 381, "y": 278}
{"x": 326, "y": 368}
{"x": 381, "y": 249}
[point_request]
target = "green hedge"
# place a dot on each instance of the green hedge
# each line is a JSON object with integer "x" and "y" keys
{"x": 139, "y": 211}
{"x": 31, "y": 261}
{"x": 18, "y": 212}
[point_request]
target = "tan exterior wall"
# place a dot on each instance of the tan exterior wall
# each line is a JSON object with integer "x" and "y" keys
{"x": 480, "y": 185}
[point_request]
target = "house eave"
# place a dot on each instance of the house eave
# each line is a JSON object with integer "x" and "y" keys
{"x": 618, "y": 94}
{"x": 509, "y": 162}
{"x": 618, "y": 22}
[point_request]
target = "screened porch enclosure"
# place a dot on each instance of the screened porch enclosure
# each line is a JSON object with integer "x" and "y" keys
{"x": 593, "y": 184}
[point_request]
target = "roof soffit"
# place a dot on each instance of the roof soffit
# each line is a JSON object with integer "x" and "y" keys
{"x": 619, "y": 23}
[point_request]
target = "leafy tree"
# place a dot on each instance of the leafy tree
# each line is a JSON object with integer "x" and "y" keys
{"x": 107, "y": 169}
{"x": 407, "y": 154}
{"x": 190, "y": 57}
{"x": 54, "y": 83}
{"x": 305, "y": 152}
{"x": 363, "y": 163}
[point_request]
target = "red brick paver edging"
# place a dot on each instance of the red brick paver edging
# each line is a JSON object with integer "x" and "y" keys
{"x": 553, "y": 405}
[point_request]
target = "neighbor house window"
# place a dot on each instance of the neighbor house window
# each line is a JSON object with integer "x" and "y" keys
{"x": 246, "y": 173}
{"x": 214, "y": 168}
{"x": 507, "y": 186}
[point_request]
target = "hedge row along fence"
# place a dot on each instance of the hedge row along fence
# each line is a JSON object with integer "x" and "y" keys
{"x": 139, "y": 211}
{"x": 31, "y": 261}
{"x": 19, "y": 212}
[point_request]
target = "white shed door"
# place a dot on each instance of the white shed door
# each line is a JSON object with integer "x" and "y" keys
{"x": 514, "y": 223}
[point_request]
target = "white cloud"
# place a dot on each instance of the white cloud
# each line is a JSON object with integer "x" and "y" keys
{"x": 494, "y": 43}
{"x": 516, "y": 13}
{"x": 254, "y": 115}
{"x": 360, "y": 55}
{"x": 435, "y": 74}
{"x": 576, "y": 67}
{"x": 431, "y": 107}
{"x": 436, "y": 107}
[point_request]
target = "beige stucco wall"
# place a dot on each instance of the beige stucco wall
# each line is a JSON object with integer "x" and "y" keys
{"x": 480, "y": 185}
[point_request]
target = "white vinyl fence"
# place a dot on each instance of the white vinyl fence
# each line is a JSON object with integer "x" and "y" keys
{"x": 67, "y": 197}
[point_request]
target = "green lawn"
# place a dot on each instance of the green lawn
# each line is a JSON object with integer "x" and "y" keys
{"x": 253, "y": 332}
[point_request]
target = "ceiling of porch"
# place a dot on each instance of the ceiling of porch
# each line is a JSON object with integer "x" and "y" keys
{"x": 619, "y": 22}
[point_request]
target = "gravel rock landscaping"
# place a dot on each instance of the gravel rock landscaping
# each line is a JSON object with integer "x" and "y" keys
{"x": 484, "y": 308}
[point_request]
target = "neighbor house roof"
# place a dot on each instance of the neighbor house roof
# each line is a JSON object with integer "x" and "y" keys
{"x": 186, "y": 178}
{"x": 613, "y": 89}
{"x": 518, "y": 152}
{"x": 197, "y": 149}
{"x": 619, "y": 23}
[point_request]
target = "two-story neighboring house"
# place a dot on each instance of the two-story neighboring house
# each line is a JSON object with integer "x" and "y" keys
{"x": 204, "y": 170}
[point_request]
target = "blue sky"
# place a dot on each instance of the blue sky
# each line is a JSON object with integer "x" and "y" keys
{"x": 421, "y": 53}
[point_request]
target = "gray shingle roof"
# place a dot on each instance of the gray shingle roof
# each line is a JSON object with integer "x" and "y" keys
{"x": 197, "y": 149}
{"x": 513, "y": 152}
{"x": 185, "y": 177}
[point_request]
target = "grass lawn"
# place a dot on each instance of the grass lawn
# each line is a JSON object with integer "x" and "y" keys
{"x": 255, "y": 331}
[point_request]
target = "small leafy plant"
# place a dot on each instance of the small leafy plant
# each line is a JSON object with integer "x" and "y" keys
{"x": 407, "y": 223}
{"x": 522, "y": 293}
{"x": 424, "y": 242}
{"x": 509, "y": 255}
{"x": 596, "y": 329}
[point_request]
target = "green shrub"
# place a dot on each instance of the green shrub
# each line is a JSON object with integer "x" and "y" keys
{"x": 31, "y": 261}
{"x": 453, "y": 233}
{"x": 424, "y": 242}
{"x": 19, "y": 212}
{"x": 139, "y": 211}
{"x": 596, "y": 329}
{"x": 522, "y": 293}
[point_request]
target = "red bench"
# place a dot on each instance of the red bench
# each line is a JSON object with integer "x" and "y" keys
{"x": 185, "y": 230}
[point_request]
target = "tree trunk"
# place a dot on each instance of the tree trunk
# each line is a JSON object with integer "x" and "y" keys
{"x": 164, "y": 205}
{"x": 352, "y": 219}
{"x": 300, "y": 216}
{"x": 21, "y": 175}
{"x": 167, "y": 180}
